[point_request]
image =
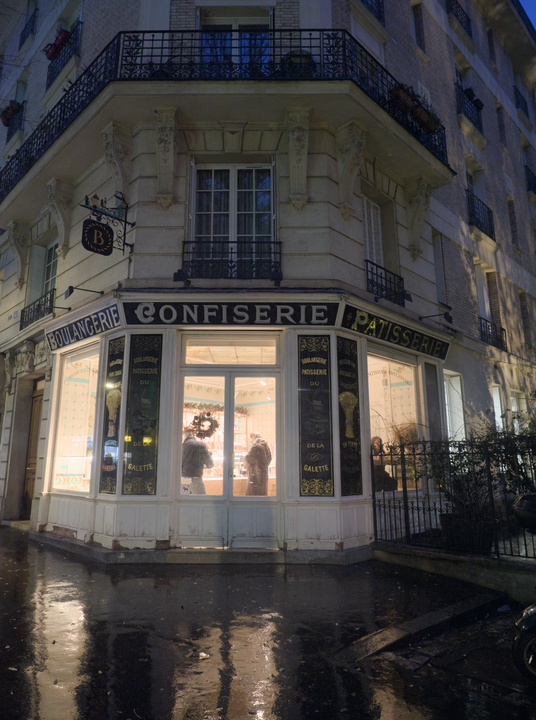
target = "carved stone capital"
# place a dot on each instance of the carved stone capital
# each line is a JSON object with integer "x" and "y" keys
{"x": 17, "y": 242}
{"x": 298, "y": 143}
{"x": 165, "y": 154}
{"x": 351, "y": 141}
{"x": 117, "y": 145}
{"x": 60, "y": 199}
{"x": 418, "y": 198}
{"x": 9, "y": 370}
{"x": 25, "y": 358}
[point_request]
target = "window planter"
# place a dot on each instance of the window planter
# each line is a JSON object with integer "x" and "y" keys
{"x": 9, "y": 112}
{"x": 402, "y": 98}
{"x": 52, "y": 49}
{"x": 425, "y": 118}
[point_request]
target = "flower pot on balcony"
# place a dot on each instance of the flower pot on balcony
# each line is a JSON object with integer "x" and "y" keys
{"x": 61, "y": 37}
{"x": 402, "y": 98}
{"x": 51, "y": 51}
{"x": 424, "y": 117}
{"x": 298, "y": 64}
{"x": 5, "y": 118}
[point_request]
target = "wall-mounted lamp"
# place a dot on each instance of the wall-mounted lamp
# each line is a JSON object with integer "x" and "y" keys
{"x": 70, "y": 290}
{"x": 58, "y": 307}
{"x": 446, "y": 315}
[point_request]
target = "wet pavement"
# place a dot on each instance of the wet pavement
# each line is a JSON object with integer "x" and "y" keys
{"x": 88, "y": 642}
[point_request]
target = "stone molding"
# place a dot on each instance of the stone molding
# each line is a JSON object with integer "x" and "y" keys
{"x": 17, "y": 242}
{"x": 117, "y": 146}
{"x": 165, "y": 154}
{"x": 351, "y": 141}
{"x": 418, "y": 197}
{"x": 298, "y": 143}
{"x": 60, "y": 198}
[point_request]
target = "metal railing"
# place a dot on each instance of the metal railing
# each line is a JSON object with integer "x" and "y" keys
{"x": 280, "y": 55}
{"x": 520, "y": 101}
{"x": 383, "y": 283}
{"x": 530, "y": 179}
{"x": 455, "y": 496}
{"x": 259, "y": 260}
{"x": 454, "y": 8}
{"x": 16, "y": 122}
{"x": 467, "y": 106}
{"x": 376, "y": 8}
{"x": 37, "y": 310}
{"x": 480, "y": 215}
{"x": 492, "y": 334}
{"x": 28, "y": 29}
{"x": 69, "y": 50}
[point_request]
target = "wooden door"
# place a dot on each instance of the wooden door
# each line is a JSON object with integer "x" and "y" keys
{"x": 33, "y": 444}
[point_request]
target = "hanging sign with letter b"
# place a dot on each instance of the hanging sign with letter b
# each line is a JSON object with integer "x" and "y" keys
{"x": 97, "y": 237}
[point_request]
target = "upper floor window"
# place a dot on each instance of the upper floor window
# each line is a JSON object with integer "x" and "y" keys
{"x": 50, "y": 268}
{"x": 418, "y": 26}
{"x": 372, "y": 226}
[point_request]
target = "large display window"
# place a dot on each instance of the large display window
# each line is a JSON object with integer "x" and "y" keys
{"x": 73, "y": 452}
{"x": 229, "y": 418}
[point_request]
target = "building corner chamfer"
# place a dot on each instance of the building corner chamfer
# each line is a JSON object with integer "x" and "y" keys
{"x": 418, "y": 199}
{"x": 60, "y": 198}
{"x": 298, "y": 143}
{"x": 165, "y": 154}
{"x": 117, "y": 146}
{"x": 351, "y": 142}
{"x": 9, "y": 370}
{"x": 17, "y": 242}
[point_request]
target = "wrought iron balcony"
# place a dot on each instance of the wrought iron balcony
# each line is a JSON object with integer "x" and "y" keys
{"x": 256, "y": 260}
{"x": 454, "y": 8}
{"x": 492, "y": 334}
{"x": 37, "y": 310}
{"x": 530, "y": 179}
{"x": 280, "y": 55}
{"x": 376, "y": 8}
{"x": 69, "y": 50}
{"x": 28, "y": 29}
{"x": 480, "y": 215}
{"x": 469, "y": 106}
{"x": 520, "y": 101}
{"x": 383, "y": 283}
{"x": 16, "y": 122}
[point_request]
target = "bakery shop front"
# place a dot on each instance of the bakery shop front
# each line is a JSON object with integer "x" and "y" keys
{"x": 214, "y": 423}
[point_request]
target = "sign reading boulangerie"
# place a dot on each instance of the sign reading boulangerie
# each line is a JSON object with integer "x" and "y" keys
{"x": 316, "y": 461}
{"x": 98, "y": 322}
{"x": 143, "y": 408}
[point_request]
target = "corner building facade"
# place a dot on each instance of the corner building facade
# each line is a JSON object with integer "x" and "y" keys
{"x": 278, "y": 224}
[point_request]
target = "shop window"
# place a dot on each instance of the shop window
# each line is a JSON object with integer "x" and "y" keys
{"x": 229, "y": 418}
{"x": 498, "y": 412}
{"x": 393, "y": 416}
{"x": 232, "y": 229}
{"x": 73, "y": 452}
{"x": 518, "y": 404}
{"x": 454, "y": 407}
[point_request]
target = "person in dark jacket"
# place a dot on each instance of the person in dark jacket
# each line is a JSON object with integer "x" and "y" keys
{"x": 195, "y": 458}
{"x": 257, "y": 461}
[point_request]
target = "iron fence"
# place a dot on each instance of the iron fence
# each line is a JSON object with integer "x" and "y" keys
{"x": 468, "y": 107}
{"x": 455, "y": 496}
{"x": 69, "y": 50}
{"x": 385, "y": 284}
{"x": 454, "y": 8}
{"x": 480, "y": 215}
{"x": 259, "y": 55}
{"x": 492, "y": 334}
{"x": 37, "y": 310}
{"x": 249, "y": 260}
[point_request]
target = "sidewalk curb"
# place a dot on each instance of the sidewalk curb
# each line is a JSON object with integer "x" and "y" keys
{"x": 410, "y": 631}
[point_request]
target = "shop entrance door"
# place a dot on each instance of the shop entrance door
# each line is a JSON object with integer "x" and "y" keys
{"x": 229, "y": 458}
{"x": 33, "y": 445}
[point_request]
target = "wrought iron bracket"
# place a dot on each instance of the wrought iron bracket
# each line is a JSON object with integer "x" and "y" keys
{"x": 116, "y": 217}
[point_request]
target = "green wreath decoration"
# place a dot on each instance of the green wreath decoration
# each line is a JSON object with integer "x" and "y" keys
{"x": 204, "y": 425}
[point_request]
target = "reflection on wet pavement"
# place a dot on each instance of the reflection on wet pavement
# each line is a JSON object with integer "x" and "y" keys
{"x": 84, "y": 642}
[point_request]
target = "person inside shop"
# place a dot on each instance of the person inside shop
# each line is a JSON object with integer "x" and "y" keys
{"x": 195, "y": 458}
{"x": 382, "y": 480}
{"x": 257, "y": 462}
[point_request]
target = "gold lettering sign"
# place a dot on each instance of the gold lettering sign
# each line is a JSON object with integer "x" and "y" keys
{"x": 97, "y": 237}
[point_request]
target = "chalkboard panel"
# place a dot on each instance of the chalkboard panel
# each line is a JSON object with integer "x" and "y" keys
{"x": 349, "y": 425}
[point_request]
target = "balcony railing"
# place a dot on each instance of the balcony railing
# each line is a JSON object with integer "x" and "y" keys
{"x": 454, "y": 8}
{"x": 69, "y": 50}
{"x": 492, "y": 334}
{"x": 281, "y": 55}
{"x": 28, "y": 29}
{"x": 37, "y": 310}
{"x": 520, "y": 101}
{"x": 383, "y": 283}
{"x": 259, "y": 260}
{"x": 480, "y": 215}
{"x": 530, "y": 179}
{"x": 16, "y": 122}
{"x": 470, "y": 107}
{"x": 376, "y": 8}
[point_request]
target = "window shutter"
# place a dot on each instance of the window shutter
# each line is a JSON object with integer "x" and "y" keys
{"x": 373, "y": 232}
{"x": 35, "y": 281}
